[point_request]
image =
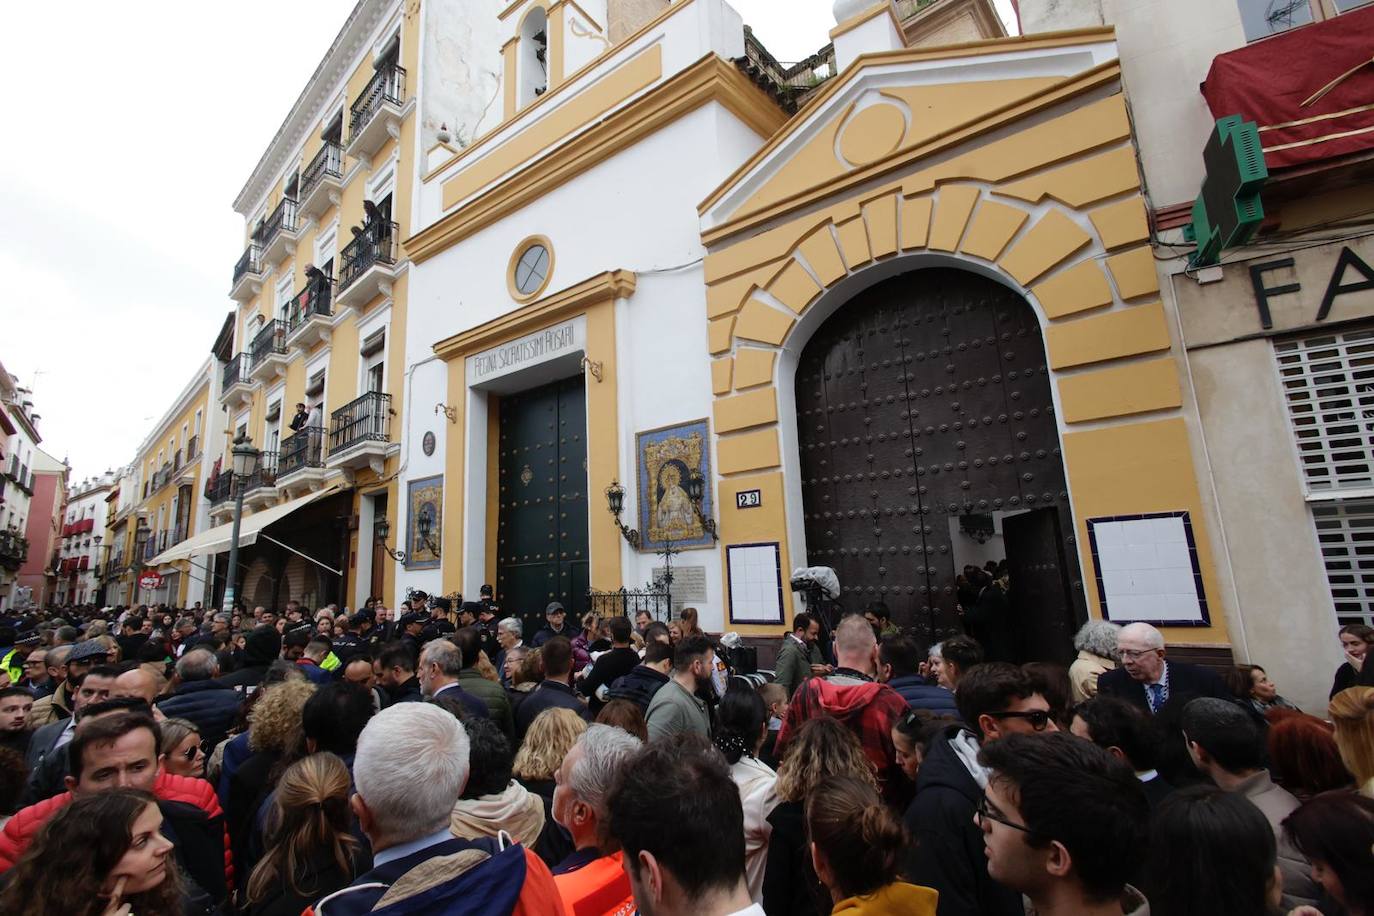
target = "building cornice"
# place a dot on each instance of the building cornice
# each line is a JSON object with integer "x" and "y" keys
{"x": 331, "y": 73}
{"x": 613, "y": 284}
{"x": 710, "y": 79}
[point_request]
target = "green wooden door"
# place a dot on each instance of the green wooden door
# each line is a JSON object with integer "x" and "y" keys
{"x": 541, "y": 552}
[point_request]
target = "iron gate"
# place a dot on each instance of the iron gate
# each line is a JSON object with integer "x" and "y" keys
{"x": 923, "y": 404}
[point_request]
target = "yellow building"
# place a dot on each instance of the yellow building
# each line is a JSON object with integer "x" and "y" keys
{"x": 321, "y": 288}
{"x": 160, "y": 493}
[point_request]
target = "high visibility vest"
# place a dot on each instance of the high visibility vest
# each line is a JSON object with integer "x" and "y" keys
{"x": 599, "y": 888}
{"x": 331, "y": 662}
{"x": 13, "y": 670}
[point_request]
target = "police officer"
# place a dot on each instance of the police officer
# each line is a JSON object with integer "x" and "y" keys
{"x": 438, "y": 625}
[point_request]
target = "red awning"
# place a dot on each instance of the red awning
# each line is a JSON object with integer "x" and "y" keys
{"x": 1278, "y": 83}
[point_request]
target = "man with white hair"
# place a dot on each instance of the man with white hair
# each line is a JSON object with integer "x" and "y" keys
{"x": 441, "y": 664}
{"x": 409, "y": 772}
{"x": 1148, "y": 681}
{"x": 582, "y": 782}
{"x": 508, "y": 636}
{"x": 852, "y": 695}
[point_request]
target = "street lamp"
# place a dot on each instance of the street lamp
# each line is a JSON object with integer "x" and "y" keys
{"x": 615, "y": 501}
{"x": 141, "y": 535}
{"x": 245, "y": 464}
{"x": 696, "y": 491}
{"x": 381, "y": 529}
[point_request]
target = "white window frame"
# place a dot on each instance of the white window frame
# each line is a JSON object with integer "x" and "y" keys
{"x": 379, "y": 320}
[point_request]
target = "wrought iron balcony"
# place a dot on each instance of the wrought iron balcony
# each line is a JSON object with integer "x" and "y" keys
{"x": 247, "y": 274}
{"x": 375, "y": 115}
{"x": 237, "y": 382}
{"x": 267, "y": 354}
{"x": 360, "y": 432}
{"x": 367, "y": 266}
{"x": 261, "y": 488}
{"x": 220, "y": 489}
{"x": 278, "y": 233}
{"x": 301, "y": 452}
{"x": 309, "y": 315}
{"x": 322, "y": 181}
{"x": 14, "y": 549}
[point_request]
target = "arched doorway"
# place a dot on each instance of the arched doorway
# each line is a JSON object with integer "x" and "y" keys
{"x": 928, "y": 443}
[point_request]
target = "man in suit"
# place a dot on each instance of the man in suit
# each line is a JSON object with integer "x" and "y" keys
{"x": 1147, "y": 680}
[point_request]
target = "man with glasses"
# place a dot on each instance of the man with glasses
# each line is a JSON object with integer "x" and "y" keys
{"x": 36, "y": 677}
{"x": 995, "y": 700}
{"x": 1063, "y": 823}
{"x": 1145, "y": 679}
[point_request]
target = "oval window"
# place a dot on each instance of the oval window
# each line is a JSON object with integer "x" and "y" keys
{"x": 531, "y": 269}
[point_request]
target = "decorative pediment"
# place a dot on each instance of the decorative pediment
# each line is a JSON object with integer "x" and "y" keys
{"x": 894, "y": 108}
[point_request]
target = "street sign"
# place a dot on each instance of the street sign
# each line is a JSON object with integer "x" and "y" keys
{"x": 150, "y": 580}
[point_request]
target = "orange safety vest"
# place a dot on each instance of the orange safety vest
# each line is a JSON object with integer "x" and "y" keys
{"x": 599, "y": 888}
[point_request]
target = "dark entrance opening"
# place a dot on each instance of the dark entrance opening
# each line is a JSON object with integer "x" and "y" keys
{"x": 541, "y": 543}
{"x": 928, "y": 444}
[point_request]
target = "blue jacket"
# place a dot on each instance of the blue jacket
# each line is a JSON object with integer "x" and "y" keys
{"x": 486, "y": 884}
{"x": 919, "y": 695}
{"x": 212, "y": 706}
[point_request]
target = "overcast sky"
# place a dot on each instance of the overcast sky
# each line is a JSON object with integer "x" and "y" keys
{"x": 130, "y": 136}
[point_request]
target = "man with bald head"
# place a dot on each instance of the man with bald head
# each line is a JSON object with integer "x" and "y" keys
{"x": 1148, "y": 680}
{"x": 852, "y": 695}
{"x": 141, "y": 683}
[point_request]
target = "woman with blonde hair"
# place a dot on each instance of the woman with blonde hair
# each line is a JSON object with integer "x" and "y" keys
{"x": 823, "y": 748}
{"x": 310, "y": 852}
{"x": 1352, "y": 713}
{"x": 181, "y": 751}
{"x": 551, "y": 735}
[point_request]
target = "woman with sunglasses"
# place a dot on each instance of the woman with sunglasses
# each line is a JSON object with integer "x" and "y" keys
{"x": 182, "y": 754}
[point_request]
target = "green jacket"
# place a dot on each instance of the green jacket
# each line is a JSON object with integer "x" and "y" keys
{"x": 674, "y": 711}
{"x": 794, "y": 664}
{"x": 491, "y": 693}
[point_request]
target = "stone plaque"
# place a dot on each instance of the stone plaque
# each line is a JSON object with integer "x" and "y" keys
{"x": 689, "y": 585}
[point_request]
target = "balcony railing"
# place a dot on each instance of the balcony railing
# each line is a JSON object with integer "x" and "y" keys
{"x": 192, "y": 449}
{"x": 367, "y": 419}
{"x": 282, "y": 218}
{"x": 250, "y": 263}
{"x": 789, "y": 84}
{"x": 14, "y": 549}
{"x": 328, "y": 163}
{"x": 266, "y": 473}
{"x": 387, "y": 85}
{"x": 270, "y": 340}
{"x": 305, "y": 449}
{"x": 235, "y": 371}
{"x": 376, "y": 245}
{"x": 219, "y": 489}
{"x": 150, "y": 549}
{"x": 313, "y": 300}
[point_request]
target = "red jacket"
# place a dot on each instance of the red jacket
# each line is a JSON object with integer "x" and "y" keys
{"x": 867, "y": 709}
{"x": 24, "y": 826}
{"x": 599, "y": 888}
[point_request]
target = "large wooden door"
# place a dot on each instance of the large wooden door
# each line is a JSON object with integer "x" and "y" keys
{"x": 1041, "y": 613}
{"x": 922, "y": 405}
{"x": 541, "y": 553}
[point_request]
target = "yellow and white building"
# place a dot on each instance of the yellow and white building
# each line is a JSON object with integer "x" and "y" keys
{"x": 322, "y": 288}
{"x": 912, "y": 326}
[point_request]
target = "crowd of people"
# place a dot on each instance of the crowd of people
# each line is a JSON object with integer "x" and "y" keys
{"x": 433, "y": 759}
